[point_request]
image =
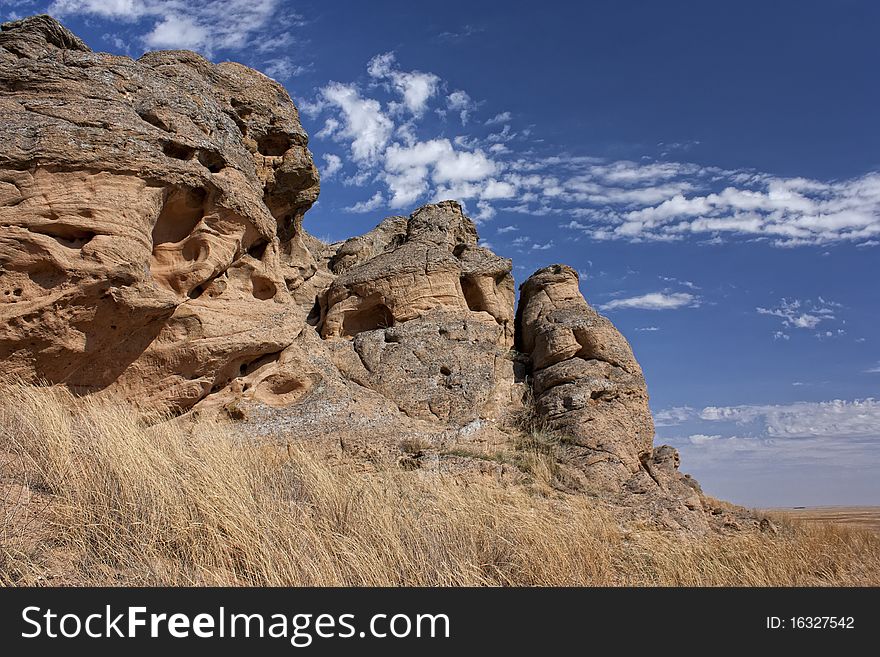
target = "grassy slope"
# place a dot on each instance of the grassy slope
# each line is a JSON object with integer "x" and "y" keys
{"x": 90, "y": 495}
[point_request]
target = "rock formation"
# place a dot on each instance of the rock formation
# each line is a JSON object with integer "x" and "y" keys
{"x": 151, "y": 246}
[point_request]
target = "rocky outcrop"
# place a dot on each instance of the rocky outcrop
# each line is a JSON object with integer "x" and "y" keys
{"x": 585, "y": 380}
{"x": 151, "y": 247}
{"x": 588, "y": 388}
{"x": 429, "y": 314}
{"x": 151, "y": 217}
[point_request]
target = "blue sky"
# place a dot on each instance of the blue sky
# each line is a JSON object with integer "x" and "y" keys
{"x": 712, "y": 169}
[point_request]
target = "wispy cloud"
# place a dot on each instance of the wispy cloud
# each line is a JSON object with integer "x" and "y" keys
{"x": 654, "y": 301}
{"x": 605, "y": 200}
{"x": 203, "y": 25}
{"x": 803, "y": 314}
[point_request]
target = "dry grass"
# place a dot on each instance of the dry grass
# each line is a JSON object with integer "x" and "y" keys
{"x": 109, "y": 500}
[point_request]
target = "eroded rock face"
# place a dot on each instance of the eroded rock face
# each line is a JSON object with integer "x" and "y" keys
{"x": 151, "y": 216}
{"x": 585, "y": 379}
{"x": 429, "y": 315}
{"x": 588, "y": 387}
{"x": 151, "y": 246}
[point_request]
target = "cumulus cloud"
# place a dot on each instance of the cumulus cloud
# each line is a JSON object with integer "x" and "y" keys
{"x": 799, "y": 453}
{"x": 361, "y": 122}
{"x": 373, "y": 203}
{"x": 673, "y": 416}
{"x": 415, "y": 87}
{"x": 654, "y": 301}
{"x": 805, "y": 419}
{"x": 332, "y": 164}
{"x": 459, "y": 101}
{"x": 628, "y": 200}
{"x": 408, "y": 169}
{"x": 498, "y": 119}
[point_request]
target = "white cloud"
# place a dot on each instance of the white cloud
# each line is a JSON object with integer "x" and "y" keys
{"x": 373, "y": 203}
{"x": 873, "y": 370}
{"x": 701, "y": 438}
{"x": 797, "y": 314}
{"x": 203, "y": 25}
{"x": 332, "y": 164}
{"x": 506, "y": 229}
{"x": 178, "y": 32}
{"x": 673, "y": 416}
{"x": 543, "y": 247}
{"x": 362, "y": 121}
{"x": 503, "y": 117}
{"x": 627, "y": 200}
{"x": 416, "y": 88}
{"x": 805, "y": 419}
{"x": 283, "y": 68}
{"x": 649, "y": 329}
{"x": 409, "y": 168}
{"x": 654, "y": 301}
{"x": 459, "y": 101}
{"x": 485, "y": 213}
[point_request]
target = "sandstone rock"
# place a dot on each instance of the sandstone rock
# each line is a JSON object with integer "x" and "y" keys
{"x": 151, "y": 217}
{"x": 422, "y": 314}
{"x": 151, "y": 247}
{"x": 589, "y": 388}
{"x": 585, "y": 380}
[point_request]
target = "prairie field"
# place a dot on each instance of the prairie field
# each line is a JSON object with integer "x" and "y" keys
{"x": 857, "y": 517}
{"x": 92, "y": 494}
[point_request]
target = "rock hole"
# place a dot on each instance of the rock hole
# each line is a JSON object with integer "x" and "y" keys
{"x": 367, "y": 319}
{"x": 263, "y": 288}
{"x": 241, "y": 125}
{"x": 181, "y": 213}
{"x": 242, "y": 109}
{"x": 212, "y": 161}
{"x": 473, "y": 296}
{"x": 196, "y": 292}
{"x": 17, "y": 292}
{"x": 73, "y": 237}
{"x": 178, "y": 151}
{"x": 249, "y": 367}
{"x": 314, "y": 316}
{"x": 274, "y": 144}
{"x": 258, "y": 249}
{"x": 153, "y": 119}
{"x": 445, "y": 371}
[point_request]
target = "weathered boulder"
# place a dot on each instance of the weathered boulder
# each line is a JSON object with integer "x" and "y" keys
{"x": 151, "y": 217}
{"x": 588, "y": 388}
{"x": 422, "y": 314}
{"x": 585, "y": 380}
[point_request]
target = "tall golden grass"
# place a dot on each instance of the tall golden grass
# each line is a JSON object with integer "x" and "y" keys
{"x": 94, "y": 495}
